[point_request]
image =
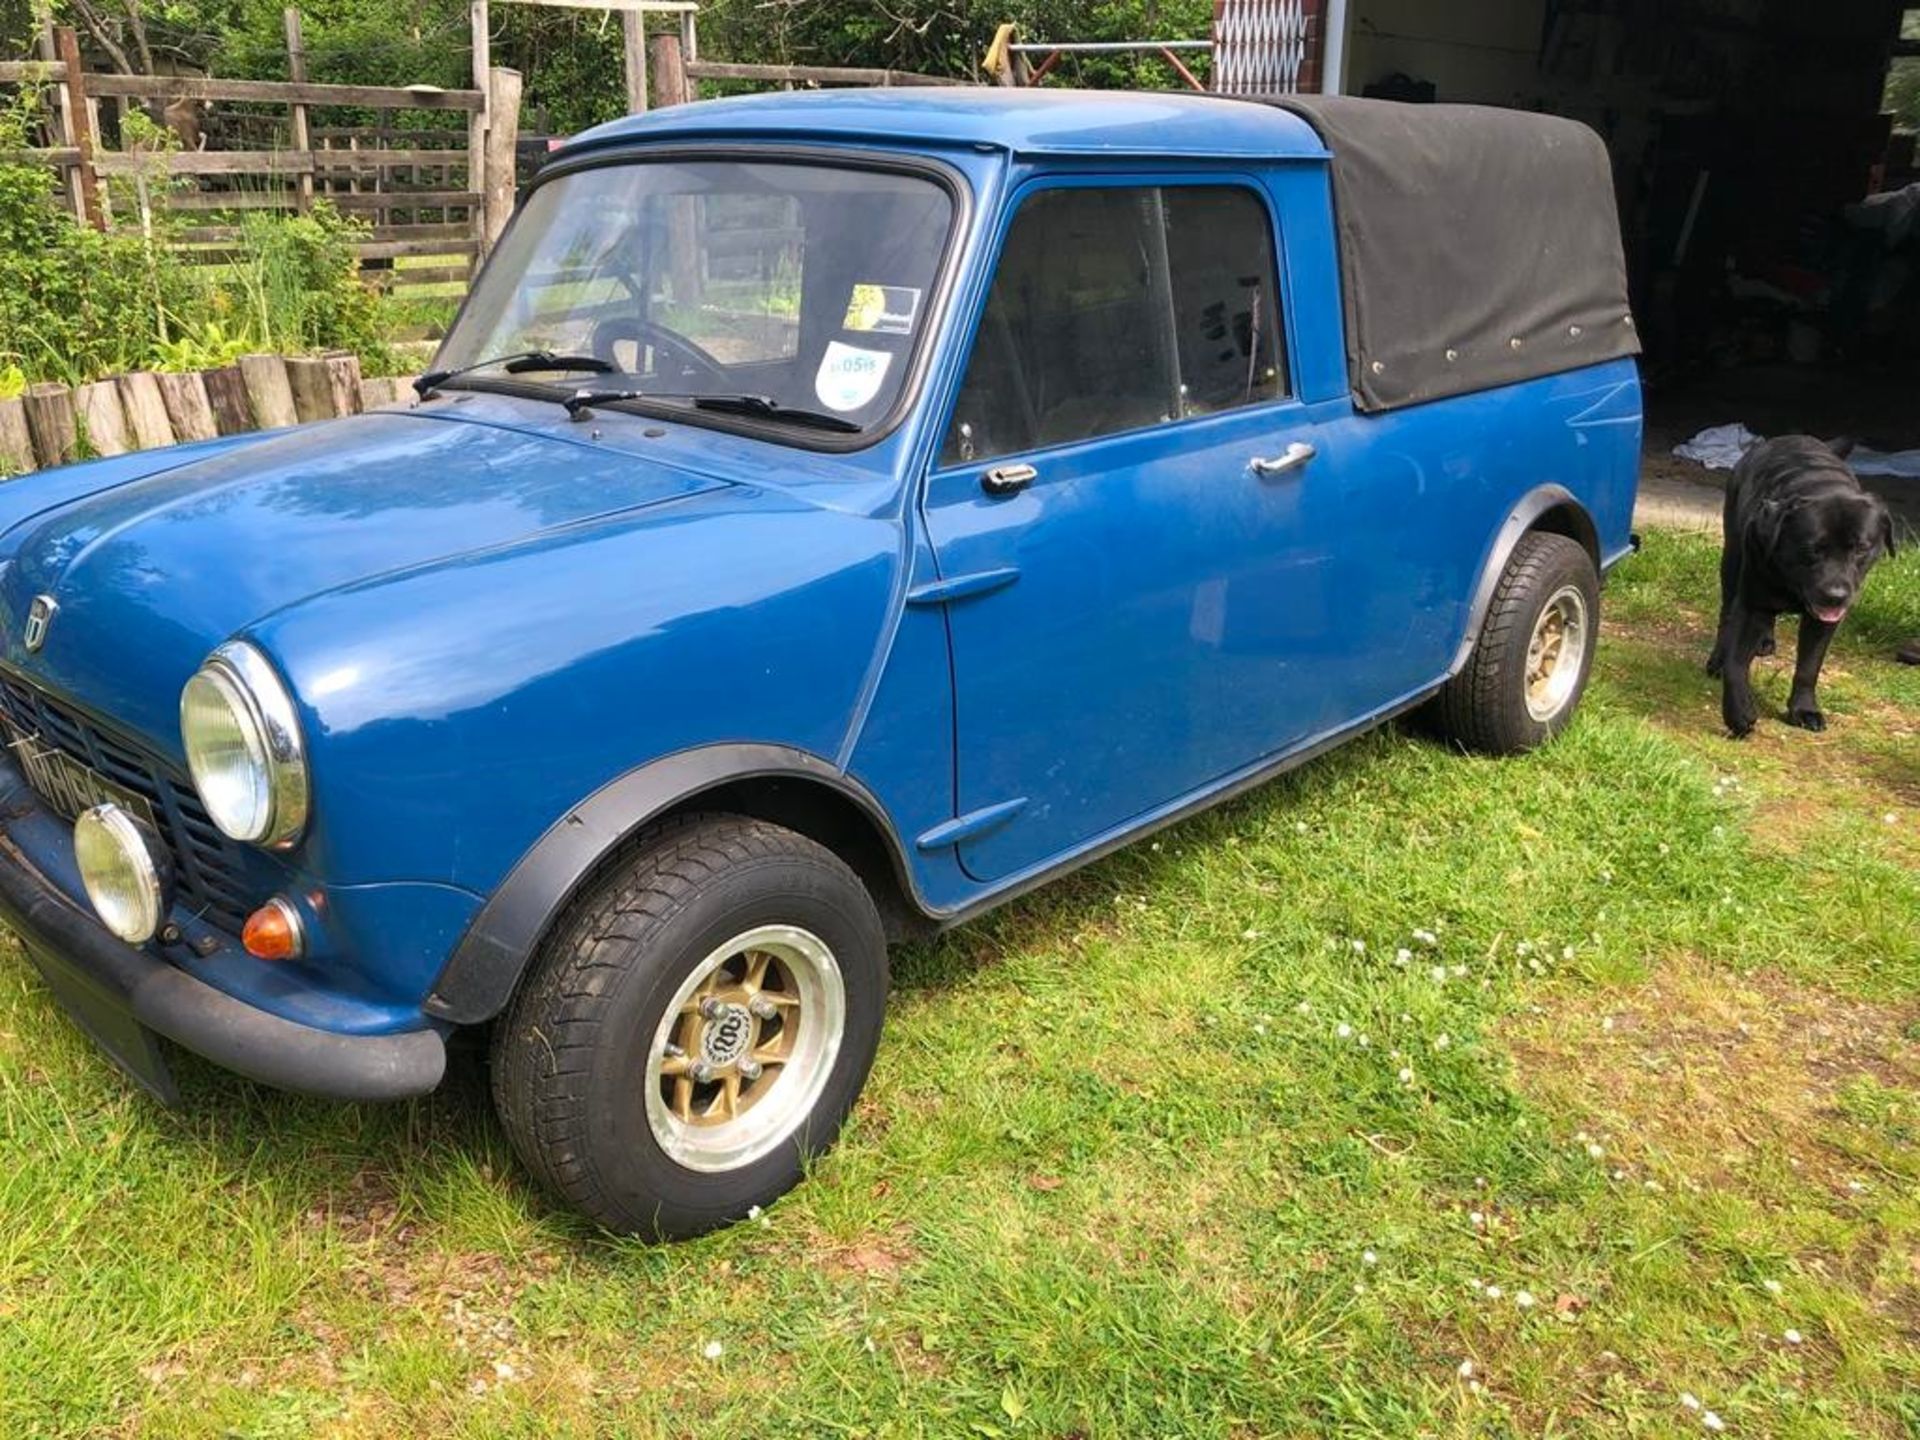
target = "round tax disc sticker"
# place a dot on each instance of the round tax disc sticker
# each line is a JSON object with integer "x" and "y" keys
{"x": 850, "y": 377}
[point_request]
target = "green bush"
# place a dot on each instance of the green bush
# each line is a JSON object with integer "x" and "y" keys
{"x": 297, "y": 285}
{"x": 74, "y": 303}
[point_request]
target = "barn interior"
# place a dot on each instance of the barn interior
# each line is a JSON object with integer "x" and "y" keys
{"x": 1768, "y": 191}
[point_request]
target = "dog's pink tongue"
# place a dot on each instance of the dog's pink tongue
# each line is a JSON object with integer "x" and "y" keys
{"x": 1830, "y": 615}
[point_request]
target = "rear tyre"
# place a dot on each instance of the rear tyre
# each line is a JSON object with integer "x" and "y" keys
{"x": 695, "y": 1029}
{"x": 1530, "y": 663}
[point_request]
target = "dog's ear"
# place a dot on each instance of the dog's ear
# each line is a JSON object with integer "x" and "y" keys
{"x": 1843, "y": 445}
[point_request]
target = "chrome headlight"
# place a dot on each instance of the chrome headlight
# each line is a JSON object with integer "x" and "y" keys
{"x": 243, "y": 745}
{"x": 125, "y": 873}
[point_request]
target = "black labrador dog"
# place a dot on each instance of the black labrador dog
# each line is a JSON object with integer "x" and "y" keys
{"x": 1801, "y": 535}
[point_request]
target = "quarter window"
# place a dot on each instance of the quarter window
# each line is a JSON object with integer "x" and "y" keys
{"x": 1114, "y": 309}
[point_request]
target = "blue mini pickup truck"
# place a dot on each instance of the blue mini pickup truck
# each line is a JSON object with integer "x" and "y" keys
{"x": 829, "y": 517}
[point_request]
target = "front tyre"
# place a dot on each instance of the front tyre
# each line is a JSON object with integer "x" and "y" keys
{"x": 696, "y": 1028}
{"x": 1530, "y": 663}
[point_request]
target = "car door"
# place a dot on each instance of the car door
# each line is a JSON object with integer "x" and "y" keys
{"x": 1133, "y": 604}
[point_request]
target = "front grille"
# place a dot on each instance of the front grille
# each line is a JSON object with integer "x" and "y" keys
{"x": 210, "y": 870}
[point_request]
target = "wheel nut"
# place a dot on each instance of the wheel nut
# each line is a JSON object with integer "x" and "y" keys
{"x": 711, "y": 1007}
{"x": 762, "y": 1008}
{"x": 749, "y": 1069}
{"x": 702, "y": 1072}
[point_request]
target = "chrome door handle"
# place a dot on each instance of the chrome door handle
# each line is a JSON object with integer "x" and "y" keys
{"x": 1292, "y": 458}
{"x": 1008, "y": 479}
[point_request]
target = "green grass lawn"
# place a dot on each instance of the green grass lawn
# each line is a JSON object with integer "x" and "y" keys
{"x": 1414, "y": 1094}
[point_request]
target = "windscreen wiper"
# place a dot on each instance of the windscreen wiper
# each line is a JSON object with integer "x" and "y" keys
{"x": 766, "y": 406}
{"x": 759, "y": 406}
{"x": 578, "y": 403}
{"x": 518, "y": 362}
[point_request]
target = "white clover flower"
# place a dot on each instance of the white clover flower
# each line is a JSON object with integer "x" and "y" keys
{"x": 1364, "y": 1042}
{"x": 1439, "y": 974}
{"x": 1403, "y": 957}
{"x": 869, "y": 1346}
{"x": 1457, "y": 971}
{"x": 713, "y": 1350}
{"x": 1426, "y": 937}
{"x": 1367, "y": 1257}
{"x": 1595, "y": 1151}
{"x": 1406, "y": 1075}
{"x": 1525, "y": 947}
{"x": 1688, "y": 1401}
{"x": 1343, "y": 1030}
{"x": 1259, "y": 1029}
{"x": 1304, "y": 1007}
{"x": 1523, "y": 1299}
{"x": 1476, "y": 1218}
{"x": 1249, "y": 934}
{"x": 1713, "y": 1422}
{"x": 1300, "y": 827}
{"x": 1771, "y": 1286}
{"x": 1359, "y": 947}
{"x": 1494, "y": 1292}
{"x": 1442, "y": 1040}
{"x": 1566, "y": 952}
{"x": 1466, "y": 1369}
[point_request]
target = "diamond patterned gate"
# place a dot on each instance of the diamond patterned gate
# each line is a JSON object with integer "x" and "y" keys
{"x": 1266, "y": 47}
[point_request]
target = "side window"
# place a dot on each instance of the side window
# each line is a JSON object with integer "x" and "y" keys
{"x": 1225, "y": 310}
{"x": 1114, "y": 309}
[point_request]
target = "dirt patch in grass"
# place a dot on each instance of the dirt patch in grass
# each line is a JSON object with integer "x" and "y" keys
{"x": 1701, "y": 1071}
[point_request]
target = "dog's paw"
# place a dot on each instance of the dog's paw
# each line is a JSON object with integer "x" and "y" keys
{"x": 1767, "y": 645}
{"x": 1807, "y": 719}
{"x": 1716, "y": 664}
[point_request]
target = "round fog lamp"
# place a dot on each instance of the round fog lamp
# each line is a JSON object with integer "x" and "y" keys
{"x": 125, "y": 878}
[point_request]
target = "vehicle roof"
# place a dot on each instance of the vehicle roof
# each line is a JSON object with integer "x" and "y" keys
{"x": 1028, "y": 122}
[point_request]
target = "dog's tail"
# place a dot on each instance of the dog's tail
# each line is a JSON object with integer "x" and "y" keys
{"x": 1843, "y": 445}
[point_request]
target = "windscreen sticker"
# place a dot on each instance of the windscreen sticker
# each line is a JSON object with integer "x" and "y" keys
{"x": 882, "y": 309}
{"x": 849, "y": 377}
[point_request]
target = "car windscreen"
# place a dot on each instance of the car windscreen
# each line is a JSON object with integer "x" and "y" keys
{"x": 801, "y": 287}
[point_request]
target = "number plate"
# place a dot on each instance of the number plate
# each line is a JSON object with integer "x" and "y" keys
{"x": 64, "y": 783}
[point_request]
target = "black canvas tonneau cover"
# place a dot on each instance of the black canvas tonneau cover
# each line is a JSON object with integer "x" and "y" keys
{"x": 1478, "y": 247}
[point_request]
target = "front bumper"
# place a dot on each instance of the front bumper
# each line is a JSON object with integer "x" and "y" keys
{"x": 126, "y": 997}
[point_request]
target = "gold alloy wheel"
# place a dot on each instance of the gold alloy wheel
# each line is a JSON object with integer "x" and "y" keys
{"x": 1556, "y": 652}
{"x": 745, "y": 1049}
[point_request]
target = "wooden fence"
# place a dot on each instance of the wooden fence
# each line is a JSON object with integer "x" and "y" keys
{"x": 442, "y": 195}
{"x": 53, "y": 425}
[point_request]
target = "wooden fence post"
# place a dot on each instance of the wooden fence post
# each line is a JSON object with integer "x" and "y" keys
{"x": 670, "y": 71}
{"x": 188, "y": 409}
{"x": 268, "y": 391}
{"x": 16, "y": 441}
{"x": 480, "y": 23}
{"x": 63, "y": 127}
{"x": 297, "y": 72}
{"x": 227, "y": 399}
{"x": 80, "y": 124}
{"x": 633, "y": 52}
{"x": 503, "y": 134}
{"x": 146, "y": 411}
{"x": 103, "y": 417}
{"x": 56, "y": 439}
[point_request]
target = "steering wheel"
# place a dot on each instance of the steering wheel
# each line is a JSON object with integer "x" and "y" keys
{"x": 692, "y": 359}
